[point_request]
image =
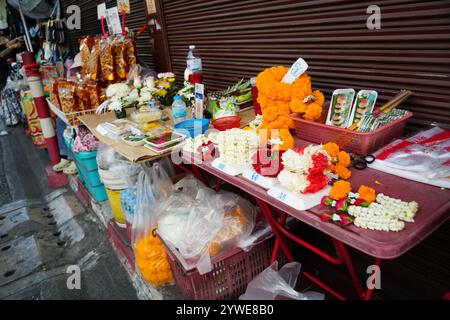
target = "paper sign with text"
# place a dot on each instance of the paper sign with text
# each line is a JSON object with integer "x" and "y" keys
{"x": 297, "y": 69}
{"x": 101, "y": 11}
{"x": 114, "y": 21}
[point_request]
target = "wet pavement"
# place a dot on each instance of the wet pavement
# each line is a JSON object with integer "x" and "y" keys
{"x": 45, "y": 232}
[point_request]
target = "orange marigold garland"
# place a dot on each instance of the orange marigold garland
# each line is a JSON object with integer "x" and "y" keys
{"x": 278, "y": 100}
{"x": 367, "y": 194}
{"x": 340, "y": 190}
{"x": 341, "y": 160}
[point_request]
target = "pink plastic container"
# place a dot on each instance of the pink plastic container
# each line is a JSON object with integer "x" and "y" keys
{"x": 231, "y": 273}
{"x": 356, "y": 142}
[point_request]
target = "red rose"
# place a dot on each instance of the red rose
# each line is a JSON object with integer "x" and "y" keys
{"x": 316, "y": 182}
{"x": 342, "y": 205}
{"x": 325, "y": 217}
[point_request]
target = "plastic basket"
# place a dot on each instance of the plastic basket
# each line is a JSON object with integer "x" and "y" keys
{"x": 229, "y": 277}
{"x": 356, "y": 142}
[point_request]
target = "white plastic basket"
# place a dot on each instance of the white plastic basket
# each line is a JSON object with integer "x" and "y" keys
{"x": 70, "y": 118}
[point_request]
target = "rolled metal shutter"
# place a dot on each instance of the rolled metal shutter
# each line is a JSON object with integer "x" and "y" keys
{"x": 91, "y": 26}
{"x": 241, "y": 38}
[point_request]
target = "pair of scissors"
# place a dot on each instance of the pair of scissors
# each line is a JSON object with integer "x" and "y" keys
{"x": 360, "y": 162}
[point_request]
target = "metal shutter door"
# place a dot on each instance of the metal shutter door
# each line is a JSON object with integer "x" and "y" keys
{"x": 240, "y": 38}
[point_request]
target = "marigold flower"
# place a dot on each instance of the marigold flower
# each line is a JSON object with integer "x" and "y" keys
{"x": 367, "y": 193}
{"x": 342, "y": 172}
{"x": 332, "y": 149}
{"x": 340, "y": 189}
{"x": 343, "y": 159}
{"x": 313, "y": 111}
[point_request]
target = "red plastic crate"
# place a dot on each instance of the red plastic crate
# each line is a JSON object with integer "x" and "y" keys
{"x": 229, "y": 277}
{"x": 120, "y": 241}
{"x": 356, "y": 142}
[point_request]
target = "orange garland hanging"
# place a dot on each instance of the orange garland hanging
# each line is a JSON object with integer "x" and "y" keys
{"x": 278, "y": 100}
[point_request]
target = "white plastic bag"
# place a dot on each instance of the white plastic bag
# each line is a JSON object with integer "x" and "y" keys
{"x": 277, "y": 284}
{"x": 205, "y": 225}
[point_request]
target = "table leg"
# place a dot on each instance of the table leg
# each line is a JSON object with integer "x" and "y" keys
{"x": 218, "y": 185}
{"x": 279, "y": 238}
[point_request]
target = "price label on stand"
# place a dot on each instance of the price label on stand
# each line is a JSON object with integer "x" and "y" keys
{"x": 199, "y": 100}
{"x": 297, "y": 69}
{"x": 232, "y": 170}
{"x": 298, "y": 201}
{"x": 260, "y": 180}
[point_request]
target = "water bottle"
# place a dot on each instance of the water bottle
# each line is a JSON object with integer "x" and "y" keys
{"x": 178, "y": 109}
{"x": 193, "y": 72}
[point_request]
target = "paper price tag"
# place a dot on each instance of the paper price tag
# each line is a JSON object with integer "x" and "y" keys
{"x": 297, "y": 69}
{"x": 199, "y": 100}
{"x": 101, "y": 11}
{"x": 114, "y": 20}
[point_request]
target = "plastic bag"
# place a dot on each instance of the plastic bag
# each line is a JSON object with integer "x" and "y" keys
{"x": 94, "y": 60}
{"x": 151, "y": 258}
{"x": 203, "y": 226}
{"x": 106, "y": 156}
{"x": 120, "y": 62}
{"x": 277, "y": 284}
{"x": 106, "y": 59}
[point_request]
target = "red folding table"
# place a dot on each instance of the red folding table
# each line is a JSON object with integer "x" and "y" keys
{"x": 434, "y": 210}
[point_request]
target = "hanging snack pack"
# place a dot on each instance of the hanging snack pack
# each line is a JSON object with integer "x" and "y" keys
{"x": 340, "y": 107}
{"x": 93, "y": 93}
{"x": 130, "y": 53}
{"x": 66, "y": 93}
{"x": 364, "y": 105}
{"x": 94, "y": 60}
{"x": 106, "y": 59}
{"x": 120, "y": 61}
{"x": 82, "y": 94}
{"x": 85, "y": 52}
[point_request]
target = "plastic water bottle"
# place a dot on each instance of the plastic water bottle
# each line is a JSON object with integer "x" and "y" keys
{"x": 193, "y": 72}
{"x": 178, "y": 109}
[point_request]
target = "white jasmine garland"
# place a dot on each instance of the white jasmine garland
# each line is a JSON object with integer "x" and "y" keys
{"x": 292, "y": 181}
{"x": 237, "y": 146}
{"x": 256, "y": 123}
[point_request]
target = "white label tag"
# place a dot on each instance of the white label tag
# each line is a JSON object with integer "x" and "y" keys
{"x": 101, "y": 11}
{"x": 114, "y": 20}
{"x": 232, "y": 170}
{"x": 264, "y": 182}
{"x": 297, "y": 69}
{"x": 298, "y": 201}
{"x": 199, "y": 98}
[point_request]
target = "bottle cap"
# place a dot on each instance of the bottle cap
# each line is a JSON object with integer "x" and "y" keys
{"x": 177, "y": 98}
{"x": 192, "y": 47}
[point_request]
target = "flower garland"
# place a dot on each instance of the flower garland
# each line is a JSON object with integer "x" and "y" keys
{"x": 305, "y": 169}
{"x": 278, "y": 100}
{"x": 340, "y": 160}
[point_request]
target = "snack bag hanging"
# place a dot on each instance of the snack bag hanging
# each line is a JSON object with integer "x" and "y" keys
{"x": 130, "y": 53}
{"x": 120, "y": 63}
{"x": 107, "y": 59}
{"x": 85, "y": 52}
{"x": 94, "y": 60}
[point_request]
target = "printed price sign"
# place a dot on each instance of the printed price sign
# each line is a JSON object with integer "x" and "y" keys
{"x": 114, "y": 20}
{"x": 199, "y": 100}
{"x": 101, "y": 11}
{"x": 297, "y": 69}
{"x": 123, "y": 5}
{"x": 264, "y": 182}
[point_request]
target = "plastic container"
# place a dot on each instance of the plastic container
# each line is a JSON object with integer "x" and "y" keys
{"x": 98, "y": 193}
{"x": 179, "y": 110}
{"x": 92, "y": 177}
{"x": 231, "y": 273}
{"x": 87, "y": 159}
{"x": 193, "y": 71}
{"x": 194, "y": 127}
{"x": 356, "y": 142}
{"x": 116, "y": 207}
{"x": 226, "y": 123}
